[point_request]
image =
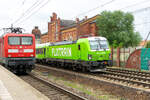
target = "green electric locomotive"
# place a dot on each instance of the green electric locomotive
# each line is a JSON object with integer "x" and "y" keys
{"x": 92, "y": 54}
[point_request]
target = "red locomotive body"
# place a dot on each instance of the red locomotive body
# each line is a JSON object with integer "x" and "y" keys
{"x": 17, "y": 52}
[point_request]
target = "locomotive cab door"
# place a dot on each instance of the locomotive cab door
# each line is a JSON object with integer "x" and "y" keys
{"x": 44, "y": 52}
{"x": 79, "y": 52}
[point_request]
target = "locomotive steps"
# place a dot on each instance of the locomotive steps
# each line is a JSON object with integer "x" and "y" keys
{"x": 118, "y": 88}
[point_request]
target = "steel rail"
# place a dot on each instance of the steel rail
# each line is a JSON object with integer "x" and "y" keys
{"x": 125, "y": 71}
{"x": 59, "y": 88}
{"x": 128, "y": 76}
{"x": 144, "y": 84}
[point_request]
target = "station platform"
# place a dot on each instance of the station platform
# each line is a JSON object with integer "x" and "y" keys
{"x": 14, "y": 88}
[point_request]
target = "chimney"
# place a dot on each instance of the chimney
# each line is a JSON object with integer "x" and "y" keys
{"x": 51, "y": 19}
{"x": 54, "y": 15}
{"x": 77, "y": 20}
{"x": 58, "y": 21}
{"x": 36, "y": 27}
{"x": 86, "y": 18}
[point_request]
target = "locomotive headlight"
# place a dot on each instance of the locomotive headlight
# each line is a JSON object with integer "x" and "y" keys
{"x": 109, "y": 56}
{"x": 9, "y": 55}
{"x": 89, "y": 57}
{"x": 31, "y": 55}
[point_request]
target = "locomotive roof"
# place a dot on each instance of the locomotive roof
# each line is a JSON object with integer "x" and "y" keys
{"x": 42, "y": 45}
{"x": 63, "y": 43}
{"x": 95, "y": 38}
{"x": 14, "y": 34}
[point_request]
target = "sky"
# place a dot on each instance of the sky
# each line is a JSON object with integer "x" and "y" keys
{"x": 30, "y": 13}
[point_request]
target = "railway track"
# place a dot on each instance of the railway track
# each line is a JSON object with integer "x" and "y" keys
{"x": 131, "y": 72}
{"x": 128, "y": 76}
{"x": 128, "y": 83}
{"x": 134, "y": 78}
{"x": 51, "y": 90}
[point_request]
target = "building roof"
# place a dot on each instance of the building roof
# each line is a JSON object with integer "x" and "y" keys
{"x": 44, "y": 33}
{"x": 66, "y": 23}
{"x": 91, "y": 20}
{"x": 70, "y": 26}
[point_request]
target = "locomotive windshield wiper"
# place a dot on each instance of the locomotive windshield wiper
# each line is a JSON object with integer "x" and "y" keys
{"x": 97, "y": 47}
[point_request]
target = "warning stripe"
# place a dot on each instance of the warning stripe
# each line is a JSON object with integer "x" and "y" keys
{"x": 4, "y": 94}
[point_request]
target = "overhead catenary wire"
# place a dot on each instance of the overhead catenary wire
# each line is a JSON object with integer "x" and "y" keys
{"x": 142, "y": 23}
{"x": 146, "y": 38}
{"x": 23, "y": 2}
{"x": 140, "y": 10}
{"x": 31, "y": 14}
{"x": 95, "y": 8}
{"x": 109, "y": 3}
{"x": 135, "y": 4}
{"x": 29, "y": 10}
{"x": 138, "y": 3}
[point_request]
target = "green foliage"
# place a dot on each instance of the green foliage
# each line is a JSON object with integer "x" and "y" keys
{"x": 148, "y": 45}
{"x": 118, "y": 28}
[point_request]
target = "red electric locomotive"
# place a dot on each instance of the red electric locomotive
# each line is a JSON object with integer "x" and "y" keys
{"x": 17, "y": 52}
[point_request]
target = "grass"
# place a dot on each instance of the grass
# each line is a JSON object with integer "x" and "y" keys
{"x": 82, "y": 88}
{"x": 101, "y": 95}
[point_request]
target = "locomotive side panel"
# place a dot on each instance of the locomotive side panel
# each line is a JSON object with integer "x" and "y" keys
{"x": 1, "y": 49}
{"x": 68, "y": 51}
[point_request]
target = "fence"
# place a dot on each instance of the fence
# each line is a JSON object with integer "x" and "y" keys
{"x": 120, "y": 56}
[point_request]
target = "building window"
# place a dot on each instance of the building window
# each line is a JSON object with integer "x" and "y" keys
{"x": 70, "y": 38}
{"x": 56, "y": 31}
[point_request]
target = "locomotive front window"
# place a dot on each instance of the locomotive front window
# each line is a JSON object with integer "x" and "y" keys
{"x": 26, "y": 40}
{"x": 98, "y": 44}
{"x": 14, "y": 40}
{"x": 103, "y": 44}
{"x": 94, "y": 44}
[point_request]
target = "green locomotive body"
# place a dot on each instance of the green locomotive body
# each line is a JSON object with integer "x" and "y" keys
{"x": 41, "y": 52}
{"x": 92, "y": 53}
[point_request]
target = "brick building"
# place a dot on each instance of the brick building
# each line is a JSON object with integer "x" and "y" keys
{"x": 37, "y": 34}
{"x": 60, "y": 30}
{"x": 44, "y": 38}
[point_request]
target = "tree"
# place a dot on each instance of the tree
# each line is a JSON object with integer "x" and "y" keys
{"x": 118, "y": 28}
{"x": 148, "y": 44}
